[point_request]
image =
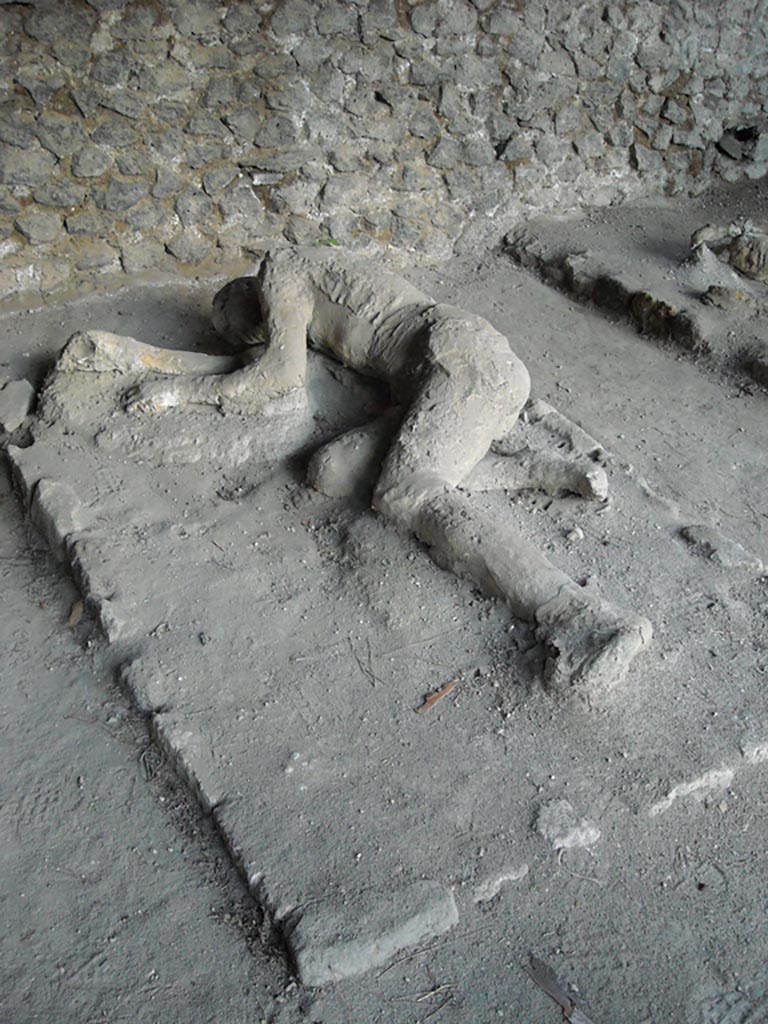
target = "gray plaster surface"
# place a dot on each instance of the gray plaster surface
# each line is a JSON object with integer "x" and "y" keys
{"x": 280, "y": 643}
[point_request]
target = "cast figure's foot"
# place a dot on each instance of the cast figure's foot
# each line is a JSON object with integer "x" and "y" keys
{"x": 590, "y": 645}
{"x": 152, "y": 397}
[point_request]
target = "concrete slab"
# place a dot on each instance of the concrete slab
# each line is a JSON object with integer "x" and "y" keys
{"x": 659, "y": 914}
{"x": 281, "y": 642}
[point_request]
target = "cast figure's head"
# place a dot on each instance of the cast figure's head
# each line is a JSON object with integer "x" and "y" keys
{"x": 237, "y": 314}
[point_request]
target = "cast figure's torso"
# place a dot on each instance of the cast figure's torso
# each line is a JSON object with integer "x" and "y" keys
{"x": 373, "y": 322}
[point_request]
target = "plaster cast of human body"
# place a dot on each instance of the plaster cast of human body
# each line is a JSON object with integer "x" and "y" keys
{"x": 458, "y": 388}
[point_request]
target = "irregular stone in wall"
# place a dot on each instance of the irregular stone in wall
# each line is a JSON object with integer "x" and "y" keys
{"x": 526, "y": 45}
{"x": 346, "y": 157}
{"x": 589, "y": 145}
{"x": 139, "y": 23}
{"x": 337, "y": 20}
{"x": 7, "y": 203}
{"x": 148, "y": 216}
{"x": 126, "y": 103}
{"x": 345, "y": 190}
{"x": 86, "y": 222}
{"x": 198, "y": 154}
{"x": 423, "y": 124}
{"x": 380, "y": 21}
{"x": 193, "y": 208}
{"x": 169, "y": 111}
{"x": 645, "y": 160}
{"x": 240, "y": 201}
{"x": 110, "y": 69}
{"x": 17, "y": 132}
{"x": 191, "y": 246}
{"x": 41, "y": 86}
{"x": 446, "y": 155}
{"x": 202, "y": 123}
{"x": 478, "y": 152}
{"x": 424, "y": 18}
{"x": 86, "y": 99}
{"x": 277, "y": 132}
{"x": 135, "y": 163}
{"x": 293, "y": 17}
{"x": 72, "y": 53}
{"x": 96, "y": 255}
{"x": 119, "y": 195}
{"x": 48, "y": 23}
{"x": 197, "y": 18}
{"x": 217, "y": 178}
{"x": 455, "y": 107}
{"x": 146, "y": 254}
{"x": 242, "y": 20}
{"x": 39, "y": 226}
{"x": 114, "y": 130}
{"x": 166, "y": 143}
{"x": 60, "y": 193}
{"x": 471, "y": 72}
{"x": 457, "y": 18}
{"x": 244, "y": 123}
{"x": 25, "y": 167}
{"x": 289, "y": 158}
{"x": 518, "y": 148}
{"x": 220, "y": 94}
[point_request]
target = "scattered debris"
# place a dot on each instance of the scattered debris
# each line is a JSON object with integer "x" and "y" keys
{"x": 558, "y": 824}
{"x": 437, "y": 695}
{"x": 729, "y": 299}
{"x": 76, "y": 613}
{"x": 549, "y": 982}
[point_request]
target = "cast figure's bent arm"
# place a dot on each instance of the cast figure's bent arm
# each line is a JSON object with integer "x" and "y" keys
{"x": 283, "y": 313}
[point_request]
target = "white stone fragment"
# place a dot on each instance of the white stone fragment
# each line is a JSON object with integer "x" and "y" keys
{"x": 703, "y": 788}
{"x": 16, "y": 398}
{"x": 558, "y": 824}
{"x": 754, "y": 751}
{"x": 338, "y": 940}
{"x": 491, "y": 886}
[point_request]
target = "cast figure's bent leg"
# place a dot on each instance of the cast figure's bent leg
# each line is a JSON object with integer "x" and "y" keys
{"x": 472, "y": 393}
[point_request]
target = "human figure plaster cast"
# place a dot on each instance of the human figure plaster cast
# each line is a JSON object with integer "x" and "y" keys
{"x": 458, "y": 388}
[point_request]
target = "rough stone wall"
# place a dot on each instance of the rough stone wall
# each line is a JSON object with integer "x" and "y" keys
{"x": 140, "y": 136}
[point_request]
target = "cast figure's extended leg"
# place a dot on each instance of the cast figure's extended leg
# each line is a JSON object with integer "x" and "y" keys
{"x": 449, "y": 427}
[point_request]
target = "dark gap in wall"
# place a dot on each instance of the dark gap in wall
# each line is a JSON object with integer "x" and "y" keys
{"x": 739, "y": 143}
